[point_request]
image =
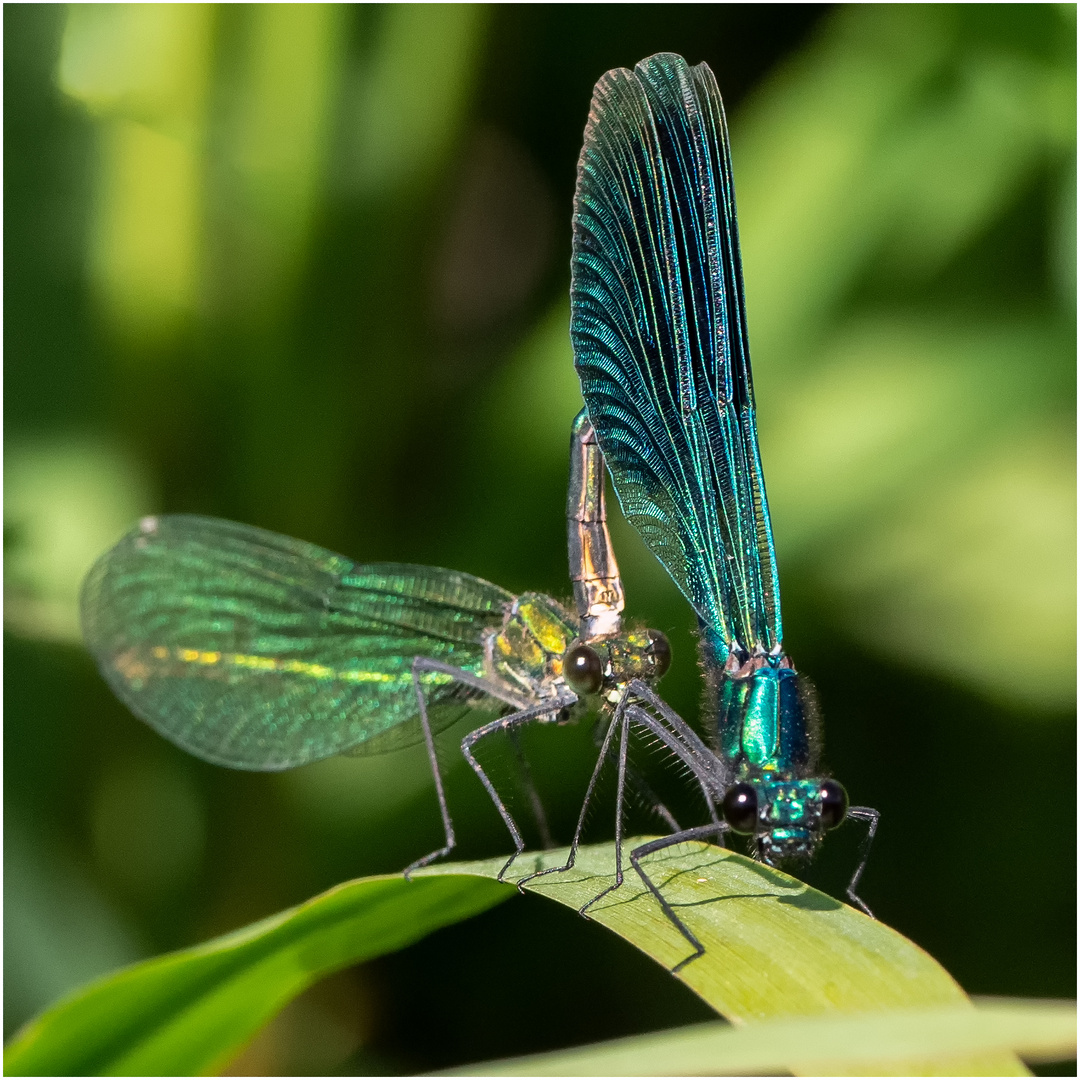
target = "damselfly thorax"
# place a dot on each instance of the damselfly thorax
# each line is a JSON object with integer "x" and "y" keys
{"x": 539, "y": 652}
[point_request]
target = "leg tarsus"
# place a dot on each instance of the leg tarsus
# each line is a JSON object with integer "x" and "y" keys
{"x": 418, "y": 863}
{"x": 872, "y": 817}
{"x": 501, "y": 876}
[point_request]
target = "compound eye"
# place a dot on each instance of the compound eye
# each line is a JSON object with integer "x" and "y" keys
{"x": 833, "y": 803}
{"x": 740, "y": 807}
{"x": 661, "y": 652}
{"x": 583, "y": 669}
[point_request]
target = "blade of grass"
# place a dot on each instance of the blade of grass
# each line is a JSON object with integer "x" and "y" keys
{"x": 1039, "y": 1031}
{"x": 189, "y": 1012}
{"x": 774, "y": 946}
{"x": 775, "y": 949}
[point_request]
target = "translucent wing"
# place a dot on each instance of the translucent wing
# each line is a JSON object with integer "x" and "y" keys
{"x": 659, "y": 332}
{"x": 257, "y": 651}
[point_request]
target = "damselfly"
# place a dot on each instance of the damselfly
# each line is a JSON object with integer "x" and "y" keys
{"x": 661, "y": 348}
{"x": 256, "y": 651}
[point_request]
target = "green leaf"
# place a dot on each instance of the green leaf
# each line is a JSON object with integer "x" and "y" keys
{"x": 775, "y": 949}
{"x": 190, "y": 1011}
{"x": 1042, "y": 1031}
{"x": 774, "y": 946}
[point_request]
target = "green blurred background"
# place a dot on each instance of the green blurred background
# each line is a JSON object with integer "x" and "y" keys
{"x": 307, "y": 267}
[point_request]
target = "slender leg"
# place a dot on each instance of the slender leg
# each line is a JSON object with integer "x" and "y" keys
{"x": 686, "y": 755}
{"x": 575, "y": 842}
{"x": 429, "y": 742}
{"x": 623, "y": 745}
{"x": 624, "y": 714}
{"x": 641, "y": 787}
{"x": 681, "y": 739}
{"x": 466, "y": 678}
{"x": 530, "y": 790}
{"x": 545, "y": 710}
{"x": 868, "y": 814}
{"x": 706, "y": 762}
{"x": 645, "y": 694}
{"x": 699, "y": 833}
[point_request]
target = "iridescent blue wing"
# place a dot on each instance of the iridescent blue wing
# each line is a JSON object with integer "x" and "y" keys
{"x": 660, "y": 344}
{"x": 257, "y": 651}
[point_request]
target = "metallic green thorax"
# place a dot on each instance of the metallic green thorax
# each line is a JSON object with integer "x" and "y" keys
{"x": 767, "y": 729}
{"x": 761, "y": 721}
{"x": 628, "y": 656}
{"x": 527, "y": 653}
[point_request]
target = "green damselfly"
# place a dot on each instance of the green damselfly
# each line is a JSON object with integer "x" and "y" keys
{"x": 256, "y": 651}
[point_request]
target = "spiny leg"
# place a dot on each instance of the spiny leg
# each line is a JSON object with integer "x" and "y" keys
{"x": 699, "y": 833}
{"x": 645, "y": 694}
{"x": 704, "y": 758}
{"x": 624, "y": 711}
{"x": 466, "y": 678}
{"x": 869, "y": 814}
{"x": 601, "y": 758}
{"x": 633, "y": 714}
{"x": 620, "y": 789}
{"x": 546, "y": 709}
{"x": 694, "y": 762}
{"x": 641, "y": 787}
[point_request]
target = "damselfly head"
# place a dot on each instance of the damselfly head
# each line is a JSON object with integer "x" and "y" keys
{"x": 605, "y": 664}
{"x": 787, "y": 818}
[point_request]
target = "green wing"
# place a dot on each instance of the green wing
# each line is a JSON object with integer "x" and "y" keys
{"x": 256, "y": 651}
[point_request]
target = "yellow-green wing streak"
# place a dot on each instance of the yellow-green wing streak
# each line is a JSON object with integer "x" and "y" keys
{"x": 257, "y": 651}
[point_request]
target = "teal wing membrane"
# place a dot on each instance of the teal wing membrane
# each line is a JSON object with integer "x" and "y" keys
{"x": 660, "y": 342}
{"x": 256, "y": 651}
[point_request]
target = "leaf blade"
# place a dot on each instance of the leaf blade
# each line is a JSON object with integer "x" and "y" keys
{"x": 774, "y": 946}
{"x": 188, "y": 1012}
{"x": 1043, "y": 1031}
{"x": 777, "y": 950}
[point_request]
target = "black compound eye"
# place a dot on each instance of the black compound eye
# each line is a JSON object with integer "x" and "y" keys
{"x": 661, "y": 652}
{"x": 583, "y": 670}
{"x": 740, "y": 807}
{"x": 833, "y": 803}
